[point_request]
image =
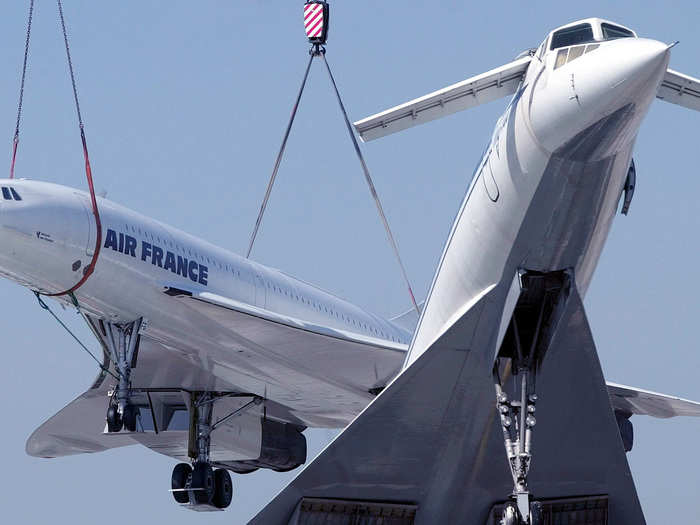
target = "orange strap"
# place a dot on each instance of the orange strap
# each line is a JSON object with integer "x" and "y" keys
{"x": 88, "y": 172}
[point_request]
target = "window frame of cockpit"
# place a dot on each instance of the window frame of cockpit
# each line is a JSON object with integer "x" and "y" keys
{"x": 598, "y": 34}
{"x": 571, "y": 28}
{"x": 614, "y": 27}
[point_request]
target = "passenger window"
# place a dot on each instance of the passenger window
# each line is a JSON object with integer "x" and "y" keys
{"x": 6, "y": 194}
{"x": 15, "y": 194}
{"x": 571, "y": 36}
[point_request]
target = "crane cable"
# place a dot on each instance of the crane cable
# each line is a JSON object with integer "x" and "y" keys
{"x": 88, "y": 171}
{"x": 372, "y": 189}
{"x": 273, "y": 177}
{"x": 15, "y": 139}
{"x": 318, "y": 50}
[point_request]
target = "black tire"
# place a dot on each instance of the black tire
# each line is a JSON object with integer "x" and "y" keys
{"x": 223, "y": 488}
{"x": 178, "y": 481}
{"x": 203, "y": 478}
{"x": 114, "y": 419}
{"x": 130, "y": 416}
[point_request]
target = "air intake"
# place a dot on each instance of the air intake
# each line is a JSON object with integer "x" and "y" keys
{"x": 311, "y": 511}
{"x": 587, "y": 510}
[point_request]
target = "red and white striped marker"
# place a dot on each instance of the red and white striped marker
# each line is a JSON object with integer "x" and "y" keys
{"x": 313, "y": 20}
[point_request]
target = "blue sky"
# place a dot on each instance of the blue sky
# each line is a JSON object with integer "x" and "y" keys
{"x": 185, "y": 104}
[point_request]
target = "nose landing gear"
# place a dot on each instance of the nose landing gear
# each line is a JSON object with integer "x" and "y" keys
{"x": 535, "y": 317}
{"x": 122, "y": 341}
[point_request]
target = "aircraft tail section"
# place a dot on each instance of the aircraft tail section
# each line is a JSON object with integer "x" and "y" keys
{"x": 431, "y": 447}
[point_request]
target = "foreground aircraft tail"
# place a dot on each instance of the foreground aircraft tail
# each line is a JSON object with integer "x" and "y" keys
{"x": 469, "y": 93}
{"x": 430, "y": 447}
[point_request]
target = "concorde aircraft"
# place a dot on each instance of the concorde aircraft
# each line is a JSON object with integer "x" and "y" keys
{"x": 500, "y": 414}
{"x": 221, "y": 363}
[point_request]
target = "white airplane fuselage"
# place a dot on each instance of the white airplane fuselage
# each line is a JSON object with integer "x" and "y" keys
{"x": 543, "y": 198}
{"x": 546, "y": 191}
{"x": 48, "y": 238}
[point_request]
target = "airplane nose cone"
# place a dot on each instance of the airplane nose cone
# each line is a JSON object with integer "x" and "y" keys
{"x": 600, "y": 96}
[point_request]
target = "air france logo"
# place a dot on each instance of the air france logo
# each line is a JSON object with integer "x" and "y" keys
{"x": 157, "y": 256}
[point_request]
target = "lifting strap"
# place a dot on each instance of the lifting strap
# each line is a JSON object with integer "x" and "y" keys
{"x": 319, "y": 50}
{"x": 87, "y": 272}
{"x": 15, "y": 140}
{"x": 263, "y": 206}
{"x": 88, "y": 171}
{"x": 372, "y": 189}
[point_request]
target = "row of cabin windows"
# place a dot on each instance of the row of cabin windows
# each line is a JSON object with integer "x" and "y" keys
{"x": 9, "y": 193}
{"x": 182, "y": 250}
{"x": 188, "y": 251}
{"x": 323, "y": 308}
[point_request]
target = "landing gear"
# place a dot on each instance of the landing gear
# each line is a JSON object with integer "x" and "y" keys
{"x": 130, "y": 417}
{"x": 200, "y": 484}
{"x": 223, "y": 488}
{"x": 122, "y": 341}
{"x": 535, "y": 317}
{"x": 203, "y": 483}
{"x": 180, "y": 478}
{"x": 114, "y": 419}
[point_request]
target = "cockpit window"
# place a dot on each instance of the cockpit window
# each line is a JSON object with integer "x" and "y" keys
{"x": 611, "y": 32}
{"x": 9, "y": 193}
{"x": 571, "y": 36}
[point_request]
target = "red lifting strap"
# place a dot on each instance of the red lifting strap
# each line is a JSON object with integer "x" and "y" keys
{"x": 88, "y": 172}
{"x": 98, "y": 224}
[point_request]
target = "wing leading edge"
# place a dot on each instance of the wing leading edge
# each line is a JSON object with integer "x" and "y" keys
{"x": 680, "y": 89}
{"x": 480, "y": 89}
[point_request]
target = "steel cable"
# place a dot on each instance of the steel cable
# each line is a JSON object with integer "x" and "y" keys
{"x": 15, "y": 140}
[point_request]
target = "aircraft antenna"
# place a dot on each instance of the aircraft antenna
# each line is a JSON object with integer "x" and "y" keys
{"x": 316, "y": 17}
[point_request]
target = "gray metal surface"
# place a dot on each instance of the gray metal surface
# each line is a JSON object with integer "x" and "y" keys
{"x": 432, "y": 438}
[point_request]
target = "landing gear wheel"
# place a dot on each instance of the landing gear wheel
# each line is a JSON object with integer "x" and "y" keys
{"x": 510, "y": 515}
{"x": 180, "y": 474}
{"x": 223, "y": 488}
{"x": 131, "y": 414}
{"x": 114, "y": 419}
{"x": 203, "y": 478}
{"x": 536, "y": 517}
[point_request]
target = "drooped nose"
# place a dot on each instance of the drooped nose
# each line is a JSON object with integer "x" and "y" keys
{"x": 601, "y": 96}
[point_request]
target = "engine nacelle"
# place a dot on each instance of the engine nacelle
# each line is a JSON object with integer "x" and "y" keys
{"x": 283, "y": 448}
